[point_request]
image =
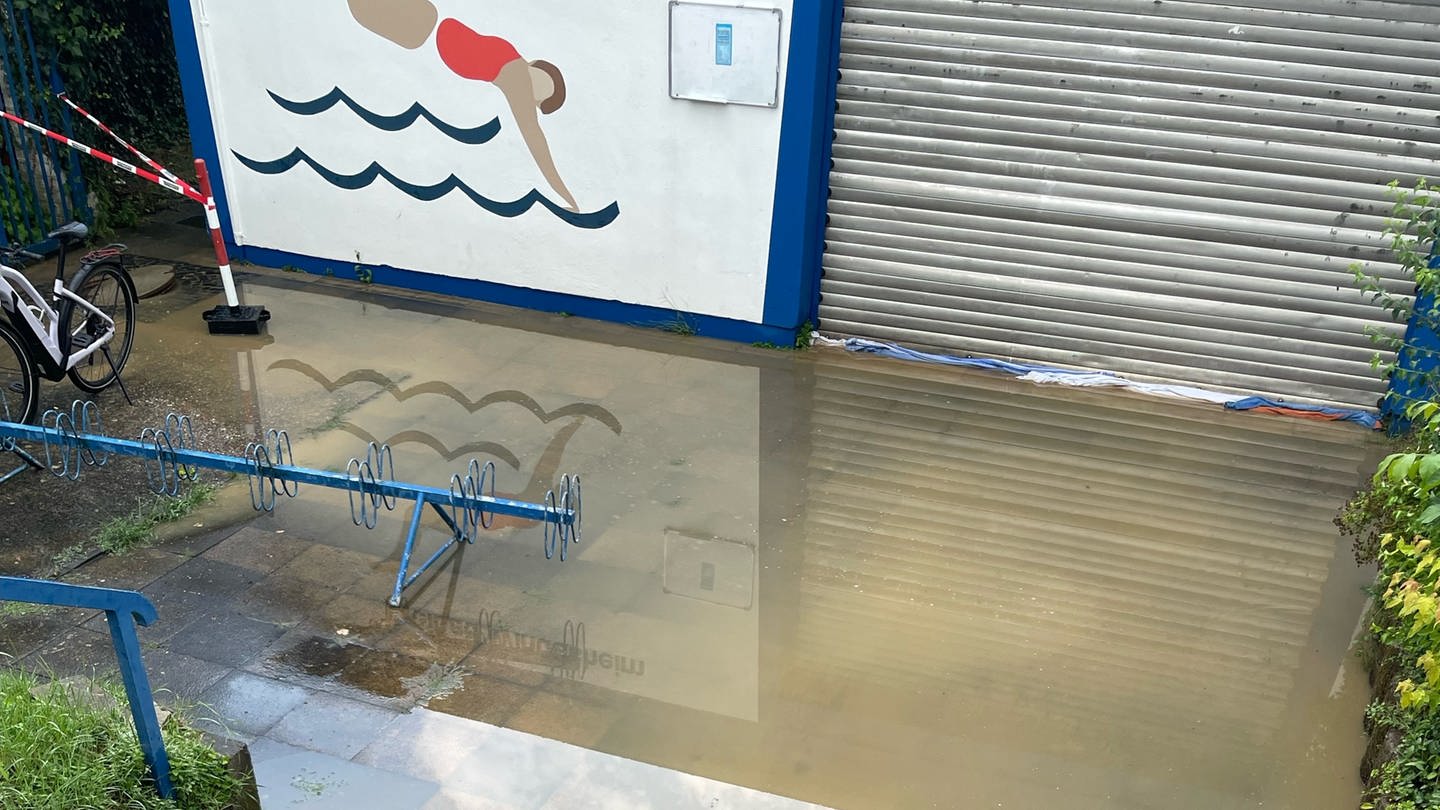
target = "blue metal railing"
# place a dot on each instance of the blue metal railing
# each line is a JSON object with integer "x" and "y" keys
{"x": 123, "y": 610}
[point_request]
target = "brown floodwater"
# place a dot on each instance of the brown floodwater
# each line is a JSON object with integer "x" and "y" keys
{"x": 854, "y": 581}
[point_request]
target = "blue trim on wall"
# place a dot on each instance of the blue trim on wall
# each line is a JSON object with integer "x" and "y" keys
{"x": 542, "y": 300}
{"x": 197, "y": 105}
{"x": 802, "y": 177}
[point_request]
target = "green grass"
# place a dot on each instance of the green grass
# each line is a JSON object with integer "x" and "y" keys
{"x": 60, "y": 753}
{"x": 803, "y": 339}
{"x": 16, "y": 610}
{"x": 67, "y": 557}
{"x": 680, "y": 325}
{"x": 138, "y": 527}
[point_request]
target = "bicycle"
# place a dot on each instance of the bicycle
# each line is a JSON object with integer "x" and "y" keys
{"x": 87, "y": 338}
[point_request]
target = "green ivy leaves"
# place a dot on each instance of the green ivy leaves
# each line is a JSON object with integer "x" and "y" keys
{"x": 1411, "y": 230}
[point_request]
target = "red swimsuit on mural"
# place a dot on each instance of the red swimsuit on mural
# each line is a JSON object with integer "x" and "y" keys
{"x": 472, "y": 55}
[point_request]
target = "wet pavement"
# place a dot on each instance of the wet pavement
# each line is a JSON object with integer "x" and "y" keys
{"x": 847, "y": 580}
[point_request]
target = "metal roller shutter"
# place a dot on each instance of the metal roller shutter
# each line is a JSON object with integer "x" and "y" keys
{"x": 1171, "y": 190}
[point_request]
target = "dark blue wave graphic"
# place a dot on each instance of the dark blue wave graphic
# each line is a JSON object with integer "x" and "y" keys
{"x": 354, "y": 182}
{"x": 390, "y": 123}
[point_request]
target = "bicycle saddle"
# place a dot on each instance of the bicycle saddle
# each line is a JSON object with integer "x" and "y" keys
{"x": 74, "y": 232}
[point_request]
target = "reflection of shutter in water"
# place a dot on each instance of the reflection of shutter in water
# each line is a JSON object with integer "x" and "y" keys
{"x": 1072, "y": 565}
{"x": 709, "y": 568}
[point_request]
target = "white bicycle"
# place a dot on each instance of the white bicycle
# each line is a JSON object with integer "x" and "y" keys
{"x": 85, "y": 329}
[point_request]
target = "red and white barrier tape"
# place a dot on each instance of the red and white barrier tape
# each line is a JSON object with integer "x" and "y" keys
{"x": 207, "y": 198}
{"x": 184, "y": 190}
{"x": 164, "y": 172}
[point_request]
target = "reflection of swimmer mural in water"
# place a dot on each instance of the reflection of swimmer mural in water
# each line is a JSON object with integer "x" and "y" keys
{"x": 529, "y": 88}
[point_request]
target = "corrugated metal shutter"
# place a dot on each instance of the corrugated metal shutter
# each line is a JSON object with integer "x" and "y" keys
{"x": 1128, "y": 560}
{"x": 1172, "y": 190}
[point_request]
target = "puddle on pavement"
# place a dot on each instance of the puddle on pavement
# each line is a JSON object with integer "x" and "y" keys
{"x": 317, "y": 657}
{"x": 853, "y": 581}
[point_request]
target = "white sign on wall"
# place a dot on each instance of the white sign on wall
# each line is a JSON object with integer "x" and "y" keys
{"x": 725, "y": 54}
{"x": 532, "y": 144}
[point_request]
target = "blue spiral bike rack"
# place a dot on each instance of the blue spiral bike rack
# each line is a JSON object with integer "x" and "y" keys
{"x": 75, "y": 439}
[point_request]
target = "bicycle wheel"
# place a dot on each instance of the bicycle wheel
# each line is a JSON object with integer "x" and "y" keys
{"x": 19, "y": 381}
{"x": 108, "y": 288}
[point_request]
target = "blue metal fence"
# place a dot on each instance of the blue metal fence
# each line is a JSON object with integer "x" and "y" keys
{"x": 41, "y": 186}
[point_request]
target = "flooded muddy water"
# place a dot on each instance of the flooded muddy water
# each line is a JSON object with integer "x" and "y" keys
{"x": 854, "y": 581}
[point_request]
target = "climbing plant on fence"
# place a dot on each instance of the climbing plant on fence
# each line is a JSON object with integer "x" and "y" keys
{"x": 1411, "y": 230}
{"x": 117, "y": 58}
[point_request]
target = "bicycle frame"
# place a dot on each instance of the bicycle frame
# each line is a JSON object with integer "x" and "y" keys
{"x": 28, "y": 307}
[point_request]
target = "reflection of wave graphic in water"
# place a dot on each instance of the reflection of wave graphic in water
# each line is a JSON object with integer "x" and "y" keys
{"x": 354, "y": 182}
{"x": 520, "y": 398}
{"x": 499, "y": 451}
{"x": 390, "y": 123}
{"x": 540, "y": 479}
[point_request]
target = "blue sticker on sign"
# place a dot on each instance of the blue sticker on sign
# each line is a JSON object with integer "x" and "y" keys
{"x": 724, "y": 43}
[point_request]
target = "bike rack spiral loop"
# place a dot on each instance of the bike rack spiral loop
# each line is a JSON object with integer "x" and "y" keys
{"x": 267, "y": 485}
{"x": 65, "y": 454}
{"x": 377, "y": 468}
{"x": 74, "y": 439}
{"x": 163, "y": 470}
{"x": 469, "y": 514}
{"x": 559, "y": 531}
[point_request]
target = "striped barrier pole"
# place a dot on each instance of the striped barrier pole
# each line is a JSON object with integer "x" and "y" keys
{"x": 231, "y": 319}
{"x": 164, "y": 172}
{"x": 184, "y": 190}
{"x": 212, "y": 221}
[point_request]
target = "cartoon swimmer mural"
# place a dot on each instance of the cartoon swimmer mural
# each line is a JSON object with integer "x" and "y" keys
{"x": 530, "y": 88}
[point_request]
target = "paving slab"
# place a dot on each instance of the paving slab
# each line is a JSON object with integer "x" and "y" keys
{"x": 76, "y": 652}
{"x": 293, "y": 777}
{"x": 26, "y": 632}
{"x": 225, "y": 636}
{"x": 130, "y": 571}
{"x": 177, "y": 678}
{"x": 332, "y": 725}
{"x": 244, "y": 705}
{"x": 258, "y": 549}
{"x": 286, "y": 599}
{"x": 486, "y": 766}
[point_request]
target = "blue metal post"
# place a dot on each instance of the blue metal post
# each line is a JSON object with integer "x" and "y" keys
{"x": 142, "y": 701}
{"x": 123, "y": 609}
{"x": 409, "y": 547}
{"x": 58, "y": 212}
{"x": 20, "y": 174}
{"x": 79, "y": 202}
{"x": 31, "y": 83}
